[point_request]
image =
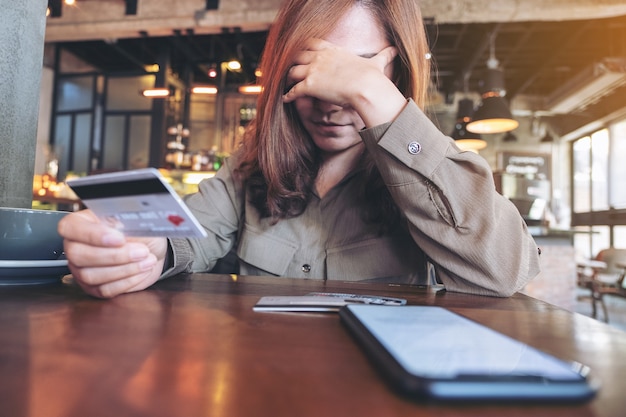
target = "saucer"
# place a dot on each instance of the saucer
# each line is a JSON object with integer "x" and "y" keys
{"x": 32, "y": 271}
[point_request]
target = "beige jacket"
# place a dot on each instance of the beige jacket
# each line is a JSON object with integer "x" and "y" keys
{"x": 474, "y": 237}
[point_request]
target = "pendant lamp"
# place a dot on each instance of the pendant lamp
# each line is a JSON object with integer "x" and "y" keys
{"x": 509, "y": 137}
{"x": 547, "y": 138}
{"x": 493, "y": 115}
{"x": 465, "y": 140}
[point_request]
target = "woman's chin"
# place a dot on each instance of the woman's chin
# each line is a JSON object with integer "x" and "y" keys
{"x": 336, "y": 144}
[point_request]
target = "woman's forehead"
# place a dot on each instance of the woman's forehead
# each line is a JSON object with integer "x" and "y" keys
{"x": 359, "y": 32}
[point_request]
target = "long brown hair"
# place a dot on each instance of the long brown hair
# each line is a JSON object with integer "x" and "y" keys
{"x": 278, "y": 159}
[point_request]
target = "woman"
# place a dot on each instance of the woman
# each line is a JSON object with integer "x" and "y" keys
{"x": 341, "y": 176}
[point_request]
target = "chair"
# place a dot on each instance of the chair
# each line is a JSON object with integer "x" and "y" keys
{"x": 603, "y": 275}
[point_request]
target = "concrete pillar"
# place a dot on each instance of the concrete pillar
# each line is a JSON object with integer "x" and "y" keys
{"x": 22, "y": 32}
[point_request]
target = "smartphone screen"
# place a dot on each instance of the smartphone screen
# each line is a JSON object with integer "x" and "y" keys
{"x": 433, "y": 352}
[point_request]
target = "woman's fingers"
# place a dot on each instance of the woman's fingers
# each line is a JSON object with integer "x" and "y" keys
{"x": 82, "y": 255}
{"x": 97, "y": 275}
{"x": 84, "y": 226}
{"x": 104, "y": 262}
{"x": 386, "y": 57}
{"x": 93, "y": 282}
{"x": 329, "y": 73}
{"x": 109, "y": 280}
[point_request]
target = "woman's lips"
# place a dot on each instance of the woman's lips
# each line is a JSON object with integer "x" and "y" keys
{"x": 329, "y": 129}
{"x": 329, "y": 124}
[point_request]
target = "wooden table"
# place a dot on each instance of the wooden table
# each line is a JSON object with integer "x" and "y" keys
{"x": 192, "y": 346}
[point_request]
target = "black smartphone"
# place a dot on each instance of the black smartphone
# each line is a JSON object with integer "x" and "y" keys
{"x": 430, "y": 352}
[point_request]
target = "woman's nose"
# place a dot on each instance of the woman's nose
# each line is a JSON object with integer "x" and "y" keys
{"x": 326, "y": 107}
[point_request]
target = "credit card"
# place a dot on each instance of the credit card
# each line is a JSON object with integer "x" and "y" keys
{"x": 321, "y": 301}
{"x": 138, "y": 202}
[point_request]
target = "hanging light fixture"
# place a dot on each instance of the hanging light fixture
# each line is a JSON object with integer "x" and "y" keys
{"x": 509, "y": 137}
{"x": 233, "y": 65}
{"x": 465, "y": 140}
{"x": 547, "y": 138}
{"x": 493, "y": 115}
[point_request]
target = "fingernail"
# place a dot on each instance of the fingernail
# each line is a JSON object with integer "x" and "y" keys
{"x": 113, "y": 239}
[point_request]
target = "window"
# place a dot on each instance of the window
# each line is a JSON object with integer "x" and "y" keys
{"x": 598, "y": 196}
{"x": 588, "y": 241}
{"x": 75, "y": 93}
{"x": 618, "y": 164}
{"x": 72, "y": 134}
{"x": 582, "y": 174}
{"x": 619, "y": 236}
{"x": 123, "y": 93}
{"x": 599, "y": 170}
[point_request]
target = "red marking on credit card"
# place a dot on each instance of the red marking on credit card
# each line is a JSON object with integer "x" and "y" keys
{"x": 175, "y": 219}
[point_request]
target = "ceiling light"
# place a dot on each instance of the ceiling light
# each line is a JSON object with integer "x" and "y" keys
{"x": 588, "y": 86}
{"x": 233, "y": 65}
{"x": 204, "y": 89}
{"x": 493, "y": 115}
{"x": 466, "y": 141}
{"x": 152, "y": 68}
{"x": 250, "y": 89}
{"x": 156, "y": 92}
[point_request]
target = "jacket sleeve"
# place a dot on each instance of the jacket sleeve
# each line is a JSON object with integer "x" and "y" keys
{"x": 218, "y": 206}
{"x": 475, "y": 237}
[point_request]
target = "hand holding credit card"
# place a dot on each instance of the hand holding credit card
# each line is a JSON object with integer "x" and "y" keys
{"x": 138, "y": 203}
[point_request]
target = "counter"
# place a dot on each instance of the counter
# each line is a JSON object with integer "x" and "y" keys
{"x": 185, "y": 181}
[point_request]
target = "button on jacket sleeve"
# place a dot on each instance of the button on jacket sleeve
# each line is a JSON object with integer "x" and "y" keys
{"x": 474, "y": 236}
